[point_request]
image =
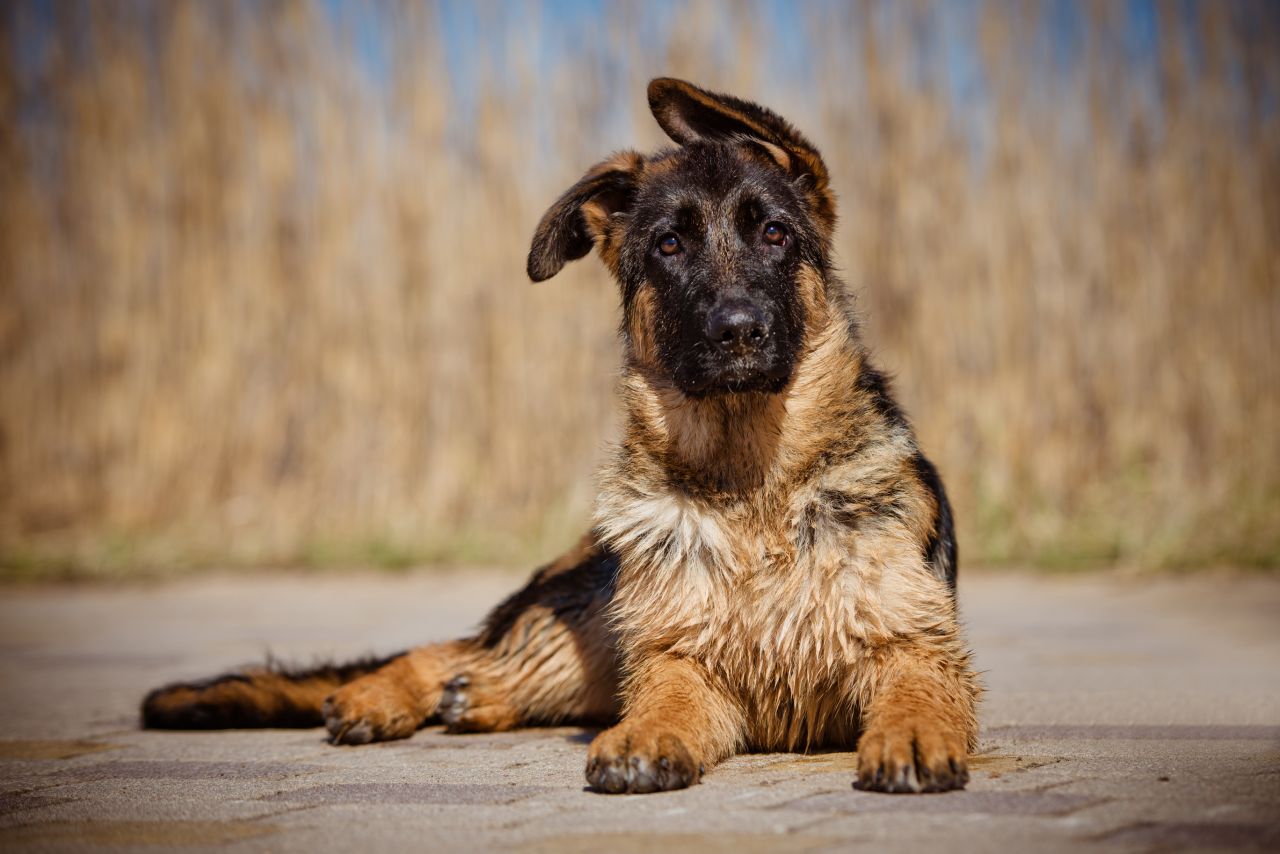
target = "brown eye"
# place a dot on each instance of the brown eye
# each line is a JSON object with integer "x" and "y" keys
{"x": 775, "y": 234}
{"x": 669, "y": 244}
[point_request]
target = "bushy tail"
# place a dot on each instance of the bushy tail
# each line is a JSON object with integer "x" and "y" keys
{"x": 268, "y": 696}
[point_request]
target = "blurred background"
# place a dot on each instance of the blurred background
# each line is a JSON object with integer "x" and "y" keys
{"x": 263, "y": 292}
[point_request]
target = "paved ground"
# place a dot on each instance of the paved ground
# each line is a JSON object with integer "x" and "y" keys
{"x": 1123, "y": 715}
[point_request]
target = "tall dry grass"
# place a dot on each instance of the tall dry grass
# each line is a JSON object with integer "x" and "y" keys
{"x": 263, "y": 293}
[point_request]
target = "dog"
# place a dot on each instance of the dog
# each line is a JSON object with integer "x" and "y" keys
{"x": 772, "y": 564}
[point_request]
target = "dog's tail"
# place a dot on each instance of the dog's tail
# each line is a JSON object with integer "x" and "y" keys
{"x": 266, "y": 696}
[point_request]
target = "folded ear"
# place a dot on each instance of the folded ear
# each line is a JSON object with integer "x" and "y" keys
{"x": 580, "y": 217}
{"x": 689, "y": 114}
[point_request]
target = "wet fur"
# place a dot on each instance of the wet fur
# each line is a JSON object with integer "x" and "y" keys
{"x": 771, "y": 568}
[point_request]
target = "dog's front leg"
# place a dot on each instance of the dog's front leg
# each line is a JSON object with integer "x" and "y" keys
{"x": 676, "y": 723}
{"x": 920, "y": 721}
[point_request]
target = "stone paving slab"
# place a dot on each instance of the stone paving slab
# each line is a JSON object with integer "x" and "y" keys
{"x": 1123, "y": 714}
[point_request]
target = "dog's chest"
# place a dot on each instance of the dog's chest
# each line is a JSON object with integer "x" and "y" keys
{"x": 778, "y": 599}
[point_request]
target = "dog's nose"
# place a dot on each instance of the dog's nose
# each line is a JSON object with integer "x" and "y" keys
{"x": 737, "y": 325}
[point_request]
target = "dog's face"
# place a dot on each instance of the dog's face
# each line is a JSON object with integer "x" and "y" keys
{"x": 716, "y": 237}
{"x": 717, "y": 245}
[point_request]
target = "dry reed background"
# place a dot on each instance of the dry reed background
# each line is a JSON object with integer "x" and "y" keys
{"x": 263, "y": 292}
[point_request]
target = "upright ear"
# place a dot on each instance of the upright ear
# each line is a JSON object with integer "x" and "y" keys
{"x": 689, "y": 114}
{"x": 580, "y": 217}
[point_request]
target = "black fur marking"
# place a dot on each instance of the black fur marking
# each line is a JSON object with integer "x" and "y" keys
{"x": 872, "y": 501}
{"x": 877, "y": 387}
{"x": 568, "y": 593}
{"x": 849, "y": 510}
{"x": 940, "y": 551}
{"x": 210, "y": 709}
{"x": 807, "y": 532}
{"x": 341, "y": 673}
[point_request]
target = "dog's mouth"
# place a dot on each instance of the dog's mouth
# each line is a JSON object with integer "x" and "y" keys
{"x": 738, "y": 376}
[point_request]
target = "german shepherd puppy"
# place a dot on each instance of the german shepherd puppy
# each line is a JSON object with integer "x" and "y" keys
{"x": 772, "y": 564}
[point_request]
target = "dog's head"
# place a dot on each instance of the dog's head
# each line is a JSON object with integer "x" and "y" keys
{"x": 719, "y": 245}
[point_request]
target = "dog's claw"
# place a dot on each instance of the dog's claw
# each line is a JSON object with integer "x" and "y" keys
{"x": 454, "y": 702}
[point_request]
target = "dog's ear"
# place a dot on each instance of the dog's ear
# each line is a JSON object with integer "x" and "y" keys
{"x": 689, "y": 114}
{"x": 580, "y": 217}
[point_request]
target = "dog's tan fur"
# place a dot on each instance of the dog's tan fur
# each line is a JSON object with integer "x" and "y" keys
{"x": 756, "y": 578}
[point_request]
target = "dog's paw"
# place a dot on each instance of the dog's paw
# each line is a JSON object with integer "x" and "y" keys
{"x": 637, "y": 759}
{"x": 369, "y": 709}
{"x": 911, "y": 756}
{"x": 468, "y": 706}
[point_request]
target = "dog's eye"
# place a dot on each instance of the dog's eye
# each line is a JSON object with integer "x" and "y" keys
{"x": 669, "y": 244}
{"x": 775, "y": 233}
